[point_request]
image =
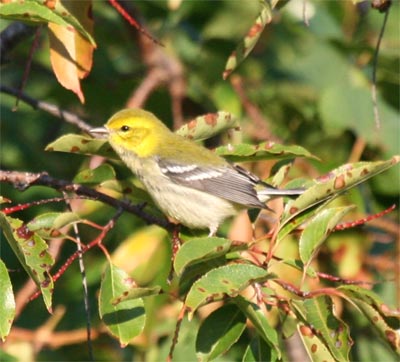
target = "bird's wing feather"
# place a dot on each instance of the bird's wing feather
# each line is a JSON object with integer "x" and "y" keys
{"x": 230, "y": 182}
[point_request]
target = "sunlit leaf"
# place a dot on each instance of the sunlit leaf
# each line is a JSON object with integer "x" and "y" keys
{"x": 95, "y": 176}
{"x": 70, "y": 52}
{"x": 287, "y": 227}
{"x": 335, "y": 182}
{"x": 135, "y": 293}
{"x": 48, "y": 224}
{"x": 333, "y": 332}
{"x": 318, "y": 229}
{"x": 226, "y": 280}
{"x": 208, "y": 125}
{"x": 383, "y": 319}
{"x": 251, "y": 38}
{"x": 263, "y": 151}
{"x": 201, "y": 249}
{"x": 315, "y": 347}
{"x": 125, "y": 320}
{"x": 73, "y": 143}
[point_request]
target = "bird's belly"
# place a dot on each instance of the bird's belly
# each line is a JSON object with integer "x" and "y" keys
{"x": 191, "y": 207}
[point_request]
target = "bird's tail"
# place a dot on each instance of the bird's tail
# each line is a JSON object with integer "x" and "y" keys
{"x": 270, "y": 192}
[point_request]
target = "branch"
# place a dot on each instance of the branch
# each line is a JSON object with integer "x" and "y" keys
{"x": 24, "y": 180}
{"x": 383, "y": 6}
{"x": 48, "y": 107}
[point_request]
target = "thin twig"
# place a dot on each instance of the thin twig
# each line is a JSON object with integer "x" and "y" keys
{"x": 125, "y": 14}
{"x": 52, "y": 109}
{"x": 28, "y": 65}
{"x": 84, "y": 284}
{"x": 374, "y": 67}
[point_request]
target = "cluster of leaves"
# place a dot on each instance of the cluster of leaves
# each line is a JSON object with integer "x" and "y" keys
{"x": 243, "y": 299}
{"x": 214, "y": 269}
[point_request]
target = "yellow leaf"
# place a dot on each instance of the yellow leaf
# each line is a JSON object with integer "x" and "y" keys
{"x": 70, "y": 52}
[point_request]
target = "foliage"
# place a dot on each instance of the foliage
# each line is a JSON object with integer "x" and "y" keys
{"x": 295, "y": 105}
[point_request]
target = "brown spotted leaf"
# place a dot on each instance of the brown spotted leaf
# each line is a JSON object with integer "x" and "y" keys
{"x": 73, "y": 143}
{"x": 135, "y": 293}
{"x": 263, "y": 151}
{"x": 47, "y": 225}
{"x": 383, "y": 319}
{"x": 334, "y": 183}
{"x": 329, "y": 329}
{"x": 227, "y": 280}
{"x": 315, "y": 347}
{"x": 250, "y": 40}
{"x": 208, "y": 125}
{"x": 31, "y": 251}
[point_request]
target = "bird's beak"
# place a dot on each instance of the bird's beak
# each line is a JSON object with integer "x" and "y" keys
{"x": 99, "y": 132}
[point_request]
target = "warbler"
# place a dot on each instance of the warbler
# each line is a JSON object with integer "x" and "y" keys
{"x": 188, "y": 182}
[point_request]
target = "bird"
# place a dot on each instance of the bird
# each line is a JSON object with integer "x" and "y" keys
{"x": 188, "y": 182}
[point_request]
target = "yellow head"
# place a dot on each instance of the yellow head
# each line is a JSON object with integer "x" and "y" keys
{"x": 135, "y": 130}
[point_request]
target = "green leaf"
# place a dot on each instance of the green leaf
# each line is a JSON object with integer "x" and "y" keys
{"x": 315, "y": 347}
{"x": 260, "y": 323}
{"x": 48, "y": 224}
{"x": 318, "y": 313}
{"x": 192, "y": 272}
{"x": 37, "y": 11}
{"x": 264, "y": 151}
{"x": 124, "y": 320}
{"x": 287, "y": 227}
{"x": 384, "y": 320}
{"x": 258, "y": 350}
{"x": 250, "y": 40}
{"x": 219, "y": 331}
{"x": 198, "y": 250}
{"x": 73, "y": 143}
{"x": 226, "y": 280}
{"x": 318, "y": 229}
{"x": 209, "y": 125}
{"x": 335, "y": 182}
{"x": 7, "y": 302}
{"x": 135, "y": 293}
{"x": 31, "y": 251}
{"x": 95, "y": 176}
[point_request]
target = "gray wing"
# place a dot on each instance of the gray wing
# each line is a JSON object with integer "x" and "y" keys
{"x": 231, "y": 182}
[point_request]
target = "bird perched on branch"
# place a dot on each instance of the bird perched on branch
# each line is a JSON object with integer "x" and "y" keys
{"x": 188, "y": 182}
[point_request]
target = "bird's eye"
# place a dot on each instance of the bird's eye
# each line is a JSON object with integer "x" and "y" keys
{"x": 125, "y": 128}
